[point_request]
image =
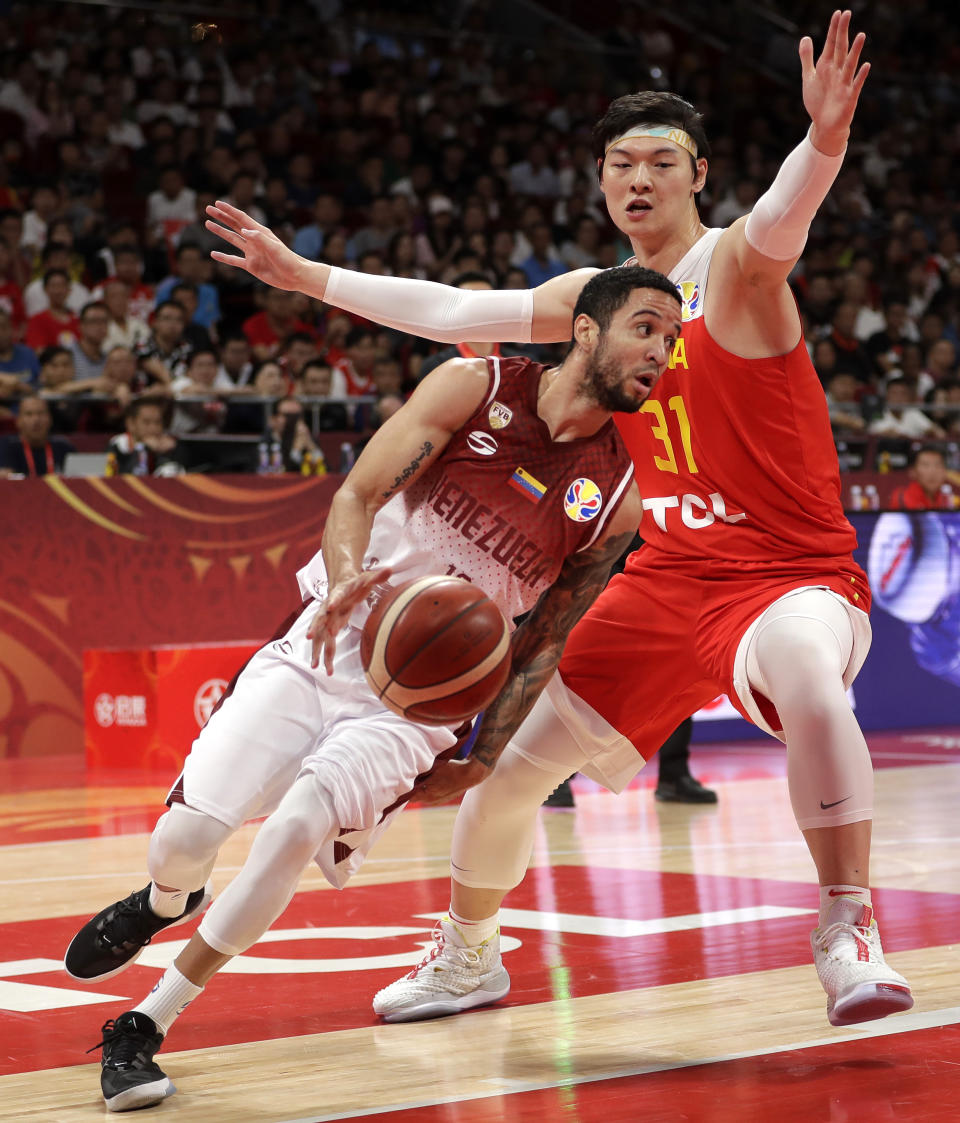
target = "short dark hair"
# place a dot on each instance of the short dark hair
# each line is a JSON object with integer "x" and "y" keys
{"x": 167, "y": 304}
{"x": 55, "y": 273}
{"x": 651, "y": 107}
{"x": 471, "y": 276}
{"x": 608, "y": 291}
{"x": 48, "y": 354}
{"x": 184, "y": 246}
{"x": 358, "y": 333}
{"x": 93, "y": 306}
{"x": 203, "y": 351}
{"x": 54, "y": 247}
{"x": 137, "y": 405}
{"x": 315, "y": 364}
{"x": 299, "y": 337}
{"x": 182, "y": 286}
{"x": 284, "y": 401}
{"x": 936, "y": 449}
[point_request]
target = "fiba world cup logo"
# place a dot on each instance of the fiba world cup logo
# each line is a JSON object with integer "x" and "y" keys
{"x": 582, "y": 501}
{"x": 690, "y": 295}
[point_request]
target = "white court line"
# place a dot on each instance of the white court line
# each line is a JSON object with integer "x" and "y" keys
{"x": 902, "y": 1023}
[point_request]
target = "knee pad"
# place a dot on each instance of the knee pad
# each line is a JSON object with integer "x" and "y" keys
{"x": 184, "y": 847}
{"x": 807, "y": 630}
{"x": 797, "y": 658}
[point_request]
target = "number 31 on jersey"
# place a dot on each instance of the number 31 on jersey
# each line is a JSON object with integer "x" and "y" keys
{"x": 661, "y": 428}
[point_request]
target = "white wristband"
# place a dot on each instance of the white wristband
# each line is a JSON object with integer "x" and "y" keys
{"x": 432, "y": 310}
{"x": 779, "y": 223}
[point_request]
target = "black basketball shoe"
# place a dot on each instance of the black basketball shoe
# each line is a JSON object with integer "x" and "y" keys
{"x": 685, "y": 789}
{"x": 114, "y": 938}
{"x": 129, "y": 1076}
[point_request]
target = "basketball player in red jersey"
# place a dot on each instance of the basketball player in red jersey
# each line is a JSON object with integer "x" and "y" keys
{"x": 747, "y": 584}
{"x": 499, "y": 470}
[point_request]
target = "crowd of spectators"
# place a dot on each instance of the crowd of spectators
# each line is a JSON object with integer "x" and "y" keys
{"x": 424, "y": 141}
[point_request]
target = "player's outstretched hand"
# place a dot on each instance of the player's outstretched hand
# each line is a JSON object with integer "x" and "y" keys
{"x": 831, "y": 87}
{"x": 334, "y": 612}
{"x": 264, "y": 254}
{"x": 449, "y": 779}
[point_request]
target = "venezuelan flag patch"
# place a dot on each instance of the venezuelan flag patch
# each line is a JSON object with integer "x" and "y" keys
{"x": 527, "y": 485}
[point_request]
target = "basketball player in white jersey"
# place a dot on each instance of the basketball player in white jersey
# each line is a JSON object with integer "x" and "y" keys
{"x": 746, "y": 586}
{"x": 500, "y": 471}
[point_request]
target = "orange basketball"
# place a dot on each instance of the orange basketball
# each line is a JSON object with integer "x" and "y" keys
{"x": 436, "y": 650}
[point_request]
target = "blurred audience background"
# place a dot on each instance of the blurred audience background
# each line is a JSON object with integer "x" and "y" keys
{"x": 428, "y": 139}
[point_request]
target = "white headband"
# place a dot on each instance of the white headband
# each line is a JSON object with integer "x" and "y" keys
{"x": 668, "y": 132}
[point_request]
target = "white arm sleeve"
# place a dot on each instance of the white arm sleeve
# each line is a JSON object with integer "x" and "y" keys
{"x": 780, "y": 221}
{"x": 432, "y": 310}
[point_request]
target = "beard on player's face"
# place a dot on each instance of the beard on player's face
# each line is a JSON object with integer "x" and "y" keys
{"x": 606, "y": 381}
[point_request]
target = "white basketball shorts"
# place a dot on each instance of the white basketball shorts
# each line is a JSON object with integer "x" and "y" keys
{"x": 284, "y": 718}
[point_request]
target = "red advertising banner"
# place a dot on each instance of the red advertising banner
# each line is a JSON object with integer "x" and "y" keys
{"x": 137, "y": 564}
{"x": 142, "y": 709}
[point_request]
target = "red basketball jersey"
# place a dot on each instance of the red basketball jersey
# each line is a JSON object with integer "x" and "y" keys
{"x": 734, "y": 457}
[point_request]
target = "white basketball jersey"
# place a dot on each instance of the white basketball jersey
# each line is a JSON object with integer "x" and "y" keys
{"x": 502, "y": 506}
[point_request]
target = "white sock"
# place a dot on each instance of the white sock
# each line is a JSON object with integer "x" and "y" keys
{"x": 166, "y": 904}
{"x": 168, "y": 999}
{"x": 472, "y": 933}
{"x": 853, "y": 894}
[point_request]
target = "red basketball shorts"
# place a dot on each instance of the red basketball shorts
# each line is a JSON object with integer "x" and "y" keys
{"x": 661, "y": 640}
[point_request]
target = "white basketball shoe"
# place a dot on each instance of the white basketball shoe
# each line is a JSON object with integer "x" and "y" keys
{"x": 846, "y": 950}
{"x": 452, "y": 978}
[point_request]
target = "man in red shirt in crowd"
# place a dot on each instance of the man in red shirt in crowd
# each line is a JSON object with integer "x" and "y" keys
{"x": 269, "y": 329}
{"x": 57, "y": 326}
{"x": 128, "y": 267}
{"x": 356, "y": 366}
{"x": 929, "y": 490}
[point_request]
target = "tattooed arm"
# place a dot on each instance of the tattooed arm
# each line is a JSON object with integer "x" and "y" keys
{"x": 397, "y": 453}
{"x": 536, "y": 648}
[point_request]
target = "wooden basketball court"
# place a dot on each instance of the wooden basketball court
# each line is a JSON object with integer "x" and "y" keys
{"x": 659, "y": 955}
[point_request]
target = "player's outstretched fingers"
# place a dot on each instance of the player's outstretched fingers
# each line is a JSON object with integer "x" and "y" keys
{"x": 225, "y": 233}
{"x": 830, "y": 43}
{"x": 842, "y": 43}
{"x": 239, "y": 218}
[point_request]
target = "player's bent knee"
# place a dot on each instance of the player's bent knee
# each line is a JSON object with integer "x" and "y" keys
{"x": 184, "y": 846}
{"x": 291, "y": 833}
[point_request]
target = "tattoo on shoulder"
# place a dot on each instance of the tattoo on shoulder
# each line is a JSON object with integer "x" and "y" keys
{"x": 411, "y": 469}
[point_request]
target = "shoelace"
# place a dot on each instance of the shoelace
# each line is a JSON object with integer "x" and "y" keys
{"x": 469, "y": 956}
{"x": 126, "y": 922}
{"x": 869, "y": 935}
{"x": 124, "y": 1044}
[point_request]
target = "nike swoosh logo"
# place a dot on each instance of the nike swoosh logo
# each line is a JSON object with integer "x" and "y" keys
{"x": 827, "y": 806}
{"x": 842, "y": 893}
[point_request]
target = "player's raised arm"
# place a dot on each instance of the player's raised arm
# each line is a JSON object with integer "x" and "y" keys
{"x": 536, "y": 648}
{"x": 423, "y": 308}
{"x": 395, "y": 456}
{"x": 758, "y": 252}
